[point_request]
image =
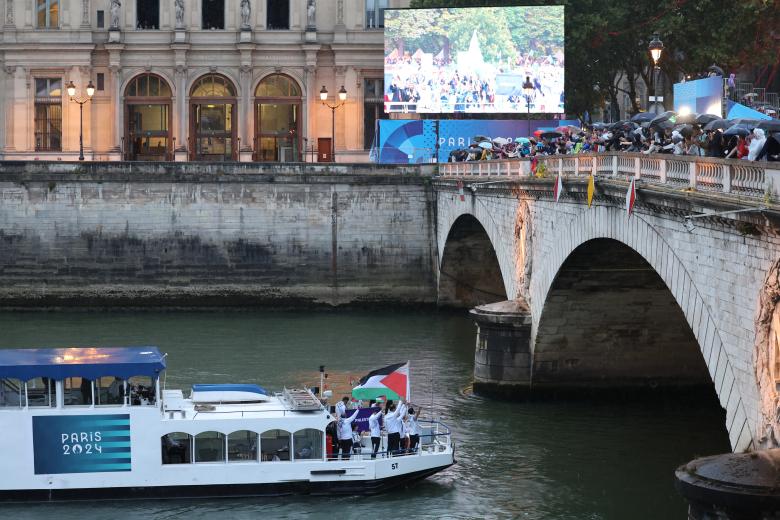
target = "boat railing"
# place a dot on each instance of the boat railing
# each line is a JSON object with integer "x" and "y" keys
{"x": 435, "y": 437}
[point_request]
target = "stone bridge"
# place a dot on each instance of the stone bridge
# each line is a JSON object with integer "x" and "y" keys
{"x": 683, "y": 292}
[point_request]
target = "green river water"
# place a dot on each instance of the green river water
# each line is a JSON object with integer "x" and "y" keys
{"x": 538, "y": 460}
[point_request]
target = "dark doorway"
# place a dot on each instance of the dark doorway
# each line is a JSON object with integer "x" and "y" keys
{"x": 278, "y": 14}
{"x": 323, "y": 150}
{"x": 147, "y": 14}
{"x": 213, "y": 14}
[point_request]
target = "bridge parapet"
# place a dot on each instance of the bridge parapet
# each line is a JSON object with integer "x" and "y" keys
{"x": 755, "y": 180}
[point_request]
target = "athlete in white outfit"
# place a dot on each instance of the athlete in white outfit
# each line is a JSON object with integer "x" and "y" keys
{"x": 345, "y": 435}
{"x": 376, "y": 433}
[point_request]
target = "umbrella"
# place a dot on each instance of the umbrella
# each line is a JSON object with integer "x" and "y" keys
{"x": 551, "y": 135}
{"x": 643, "y": 117}
{"x": 771, "y": 125}
{"x": 744, "y": 121}
{"x": 685, "y": 130}
{"x": 739, "y": 130}
{"x": 717, "y": 124}
{"x": 703, "y": 119}
{"x": 618, "y": 124}
{"x": 480, "y": 138}
{"x": 522, "y": 140}
{"x": 717, "y": 70}
{"x": 663, "y": 125}
{"x": 666, "y": 116}
{"x": 567, "y": 129}
{"x": 750, "y": 95}
{"x": 487, "y": 145}
{"x": 689, "y": 118}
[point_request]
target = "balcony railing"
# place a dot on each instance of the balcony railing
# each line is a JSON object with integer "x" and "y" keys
{"x": 740, "y": 178}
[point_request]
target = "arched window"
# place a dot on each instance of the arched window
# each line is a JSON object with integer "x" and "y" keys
{"x": 242, "y": 446}
{"x": 275, "y": 445}
{"x": 277, "y": 119}
{"x": 176, "y": 448}
{"x": 307, "y": 444}
{"x": 148, "y": 111}
{"x": 213, "y": 85}
{"x": 213, "y": 112}
{"x": 210, "y": 447}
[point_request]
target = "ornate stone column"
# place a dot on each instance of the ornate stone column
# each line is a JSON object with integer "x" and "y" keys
{"x": 9, "y": 14}
{"x": 10, "y": 86}
{"x": 245, "y": 111}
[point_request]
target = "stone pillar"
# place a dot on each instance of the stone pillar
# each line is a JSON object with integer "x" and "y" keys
{"x": 503, "y": 359}
{"x": 10, "y": 93}
{"x": 180, "y": 123}
{"x": 339, "y": 137}
{"x": 245, "y": 112}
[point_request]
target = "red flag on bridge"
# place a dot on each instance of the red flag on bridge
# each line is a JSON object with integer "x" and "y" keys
{"x": 630, "y": 197}
{"x": 460, "y": 191}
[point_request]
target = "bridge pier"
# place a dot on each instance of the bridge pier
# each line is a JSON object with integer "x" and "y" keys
{"x": 502, "y": 362}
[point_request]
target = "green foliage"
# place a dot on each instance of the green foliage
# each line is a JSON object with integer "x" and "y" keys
{"x": 606, "y": 40}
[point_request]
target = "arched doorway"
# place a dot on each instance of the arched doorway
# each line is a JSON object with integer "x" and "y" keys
{"x": 469, "y": 274}
{"x": 148, "y": 119}
{"x": 277, "y": 119}
{"x": 213, "y": 119}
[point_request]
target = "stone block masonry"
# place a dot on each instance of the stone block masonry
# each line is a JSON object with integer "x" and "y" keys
{"x": 214, "y": 235}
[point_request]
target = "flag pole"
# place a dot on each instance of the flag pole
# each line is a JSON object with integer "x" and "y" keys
{"x": 409, "y": 382}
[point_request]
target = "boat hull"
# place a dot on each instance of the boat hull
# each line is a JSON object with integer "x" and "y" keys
{"x": 330, "y": 488}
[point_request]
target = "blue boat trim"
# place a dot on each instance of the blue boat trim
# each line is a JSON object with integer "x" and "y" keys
{"x": 88, "y": 362}
{"x": 255, "y": 389}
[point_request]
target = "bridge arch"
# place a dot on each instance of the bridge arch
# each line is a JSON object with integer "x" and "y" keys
{"x": 636, "y": 236}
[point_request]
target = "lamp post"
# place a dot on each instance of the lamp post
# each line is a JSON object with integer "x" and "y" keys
{"x": 528, "y": 90}
{"x": 333, "y": 107}
{"x": 72, "y": 93}
{"x": 656, "y": 47}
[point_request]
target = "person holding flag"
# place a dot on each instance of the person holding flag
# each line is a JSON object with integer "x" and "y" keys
{"x": 393, "y": 420}
{"x": 376, "y": 433}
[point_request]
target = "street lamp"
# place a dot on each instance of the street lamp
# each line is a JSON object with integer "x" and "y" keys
{"x": 333, "y": 107}
{"x": 528, "y": 90}
{"x": 656, "y": 47}
{"x": 72, "y": 93}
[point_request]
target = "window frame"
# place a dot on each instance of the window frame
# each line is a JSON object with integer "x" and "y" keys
{"x": 137, "y": 10}
{"x": 47, "y": 101}
{"x": 268, "y": 14}
{"x": 379, "y": 7}
{"x": 203, "y": 17}
{"x": 48, "y": 10}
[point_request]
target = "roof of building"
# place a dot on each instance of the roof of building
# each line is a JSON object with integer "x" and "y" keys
{"x": 88, "y": 362}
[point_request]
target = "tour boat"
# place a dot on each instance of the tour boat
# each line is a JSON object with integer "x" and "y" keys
{"x": 98, "y": 423}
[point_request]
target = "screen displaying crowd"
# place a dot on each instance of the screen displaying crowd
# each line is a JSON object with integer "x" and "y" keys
{"x": 474, "y": 60}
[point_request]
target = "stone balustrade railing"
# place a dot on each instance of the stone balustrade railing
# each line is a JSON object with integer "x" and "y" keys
{"x": 740, "y": 178}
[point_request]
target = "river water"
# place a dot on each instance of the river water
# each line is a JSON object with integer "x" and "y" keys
{"x": 544, "y": 460}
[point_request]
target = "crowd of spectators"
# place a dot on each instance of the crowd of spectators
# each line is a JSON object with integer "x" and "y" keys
{"x": 441, "y": 86}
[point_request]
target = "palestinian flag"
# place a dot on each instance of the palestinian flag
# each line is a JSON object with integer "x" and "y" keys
{"x": 391, "y": 382}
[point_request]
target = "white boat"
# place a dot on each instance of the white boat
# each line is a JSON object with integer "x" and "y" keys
{"x": 95, "y": 423}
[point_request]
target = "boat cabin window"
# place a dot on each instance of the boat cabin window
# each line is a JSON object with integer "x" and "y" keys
{"x": 11, "y": 393}
{"x": 41, "y": 391}
{"x": 275, "y": 445}
{"x": 77, "y": 391}
{"x": 242, "y": 446}
{"x": 307, "y": 444}
{"x": 176, "y": 448}
{"x": 109, "y": 391}
{"x": 141, "y": 390}
{"x": 210, "y": 447}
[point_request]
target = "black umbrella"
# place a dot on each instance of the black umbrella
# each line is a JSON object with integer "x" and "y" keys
{"x": 666, "y": 116}
{"x": 689, "y": 118}
{"x": 739, "y": 130}
{"x": 718, "y": 124}
{"x": 685, "y": 130}
{"x": 744, "y": 121}
{"x": 643, "y": 117}
{"x": 663, "y": 125}
{"x": 770, "y": 125}
{"x": 551, "y": 135}
{"x": 703, "y": 119}
{"x": 717, "y": 70}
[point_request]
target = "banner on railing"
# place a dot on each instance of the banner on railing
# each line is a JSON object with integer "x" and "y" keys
{"x": 432, "y": 140}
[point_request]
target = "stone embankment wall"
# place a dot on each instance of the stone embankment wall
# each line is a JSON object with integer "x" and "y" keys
{"x": 210, "y": 235}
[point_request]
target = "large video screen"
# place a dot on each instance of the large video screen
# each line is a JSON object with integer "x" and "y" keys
{"x": 475, "y": 59}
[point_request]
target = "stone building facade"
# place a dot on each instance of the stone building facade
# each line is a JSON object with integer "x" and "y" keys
{"x": 190, "y": 79}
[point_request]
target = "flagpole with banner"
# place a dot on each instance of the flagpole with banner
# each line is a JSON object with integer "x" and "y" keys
{"x": 591, "y": 189}
{"x": 409, "y": 381}
{"x": 630, "y": 197}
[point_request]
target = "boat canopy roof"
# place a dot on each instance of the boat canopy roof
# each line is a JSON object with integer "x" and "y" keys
{"x": 87, "y": 362}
